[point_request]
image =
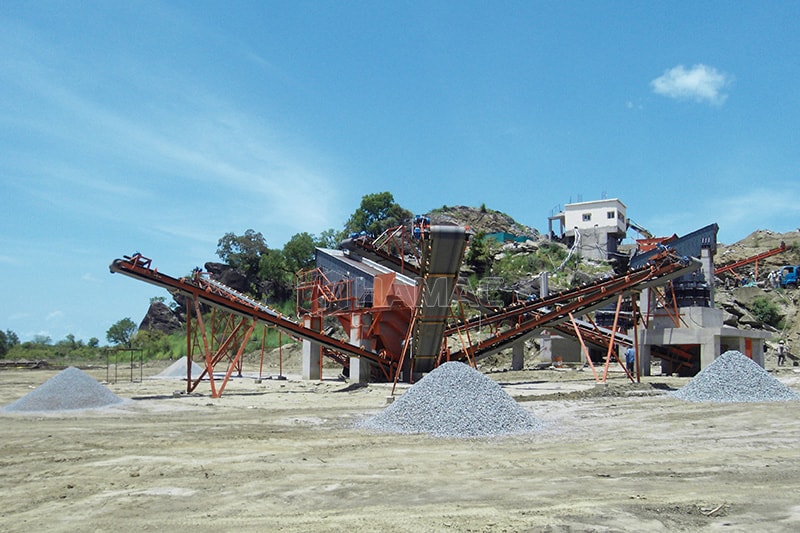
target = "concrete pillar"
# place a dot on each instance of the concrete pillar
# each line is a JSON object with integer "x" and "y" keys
{"x": 709, "y": 351}
{"x": 708, "y": 271}
{"x": 312, "y": 351}
{"x": 645, "y": 302}
{"x": 758, "y": 351}
{"x": 518, "y": 355}
{"x": 360, "y": 370}
{"x": 544, "y": 285}
{"x": 546, "y": 347}
{"x": 358, "y": 325}
{"x": 645, "y": 359}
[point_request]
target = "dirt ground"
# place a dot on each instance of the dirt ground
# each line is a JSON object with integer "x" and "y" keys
{"x": 282, "y": 455}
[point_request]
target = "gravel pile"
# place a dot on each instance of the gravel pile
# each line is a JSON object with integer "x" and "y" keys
{"x": 734, "y": 377}
{"x": 177, "y": 370}
{"x": 69, "y": 389}
{"x": 454, "y": 401}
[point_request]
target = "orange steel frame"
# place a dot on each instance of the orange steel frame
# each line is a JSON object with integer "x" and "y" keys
{"x": 227, "y": 337}
{"x": 555, "y": 308}
{"x": 198, "y": 291}
{"x": 317, "y": 296}
{"x": 752, "y": 259}
{"x": 392, "y": 245}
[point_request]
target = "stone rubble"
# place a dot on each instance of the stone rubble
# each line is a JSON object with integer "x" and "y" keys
{"x": 177, "y": 370}
{"x": 734, "y": 377}
{"x": 454, "y": 401}
{"x": 68, "y": 390}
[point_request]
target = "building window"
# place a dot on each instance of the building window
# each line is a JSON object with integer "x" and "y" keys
{"x": 612, "y": 214}
{"x": 587, "y": 217}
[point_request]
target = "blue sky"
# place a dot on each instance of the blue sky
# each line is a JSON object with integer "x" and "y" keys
{"x": 159, "y": 126}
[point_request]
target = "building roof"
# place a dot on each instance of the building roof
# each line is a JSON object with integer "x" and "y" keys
{"x": 362, "y": 265}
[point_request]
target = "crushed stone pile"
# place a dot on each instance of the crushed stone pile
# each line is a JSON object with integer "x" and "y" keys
{"x": 734, "y": 377}
{"x": 69, "y": 389}
{"x": 454, "y": 401}
{"x": 177, "y": 370}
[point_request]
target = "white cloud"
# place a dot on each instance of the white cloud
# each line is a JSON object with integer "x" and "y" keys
{"x": 55, "y": 315}
{"x": 89, "y": 277}
{"x": 700, "y": 83}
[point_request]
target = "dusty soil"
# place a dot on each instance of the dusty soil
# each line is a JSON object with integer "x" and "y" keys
{"x": 283, "y": 456}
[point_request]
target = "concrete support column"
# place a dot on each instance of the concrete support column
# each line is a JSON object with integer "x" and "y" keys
{"x": 709, "y": 351}
{"x": 312, "y": 351}
{"x": 644, "y": 302}
{"x": 360, "y": 370}
{"x": 645, "y": 360}
{"x": 546, "y": 347}
{"x": 708, "y": 271}
{"x": 758, "y": 352}
{"x": 518, "y": 355}
{"x": 544, "y": 285}
{"x": 355, "y": 329}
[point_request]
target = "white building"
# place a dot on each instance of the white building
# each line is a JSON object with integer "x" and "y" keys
{"x": 597, "y": 227}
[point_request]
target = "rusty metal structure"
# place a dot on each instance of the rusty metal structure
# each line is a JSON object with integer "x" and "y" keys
{"x": 408, "y": 320}
{"x": 730, "y": 268}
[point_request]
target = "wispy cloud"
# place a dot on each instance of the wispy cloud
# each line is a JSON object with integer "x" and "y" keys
{"x": 735, "y": 212}
{"x": 55, "y": 315}
{"x": 780, "y": 212}
{"x": 700, "y": 83}
{"x": 176, "y": 147}
{"x": 90, "y": 278}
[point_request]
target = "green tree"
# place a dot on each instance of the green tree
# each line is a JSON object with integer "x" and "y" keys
{"x": 298, "y": 253}
{"x": 377, "y": 213}
{"x": 243, "y": 252}
{"x": 478, "y": 256}
{"x": 42, "y": 340}
{"x": 153, "y": 343}
{"x": 275, "y": 269}
{"x": 330, "y": 238}
{"x": 94, "y": 342}
{"x": 4, "y": 347}
{"x": 11, "y": 338}
{"x": 71, "y": 342}
{"x": 121, "y": 332}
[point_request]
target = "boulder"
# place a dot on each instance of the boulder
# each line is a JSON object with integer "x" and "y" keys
{"x": 229, "y": 276}
{"x": 160, "y": 317}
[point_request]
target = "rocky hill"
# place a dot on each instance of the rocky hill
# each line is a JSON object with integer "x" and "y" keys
{"x": 745, "y": 306}
{"x": 481, "y": 220}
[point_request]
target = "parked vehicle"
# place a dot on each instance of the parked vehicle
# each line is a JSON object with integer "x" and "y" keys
{"x": 788, "y": 278}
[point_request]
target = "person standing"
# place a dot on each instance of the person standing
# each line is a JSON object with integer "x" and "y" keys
{"x": 630, "y": 359}
{"x": 781, "y": 353}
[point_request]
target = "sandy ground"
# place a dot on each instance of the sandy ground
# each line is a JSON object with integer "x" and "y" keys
{"x": 283, "y": 456}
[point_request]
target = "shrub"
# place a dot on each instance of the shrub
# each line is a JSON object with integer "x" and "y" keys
{"x": 766, "y": 311}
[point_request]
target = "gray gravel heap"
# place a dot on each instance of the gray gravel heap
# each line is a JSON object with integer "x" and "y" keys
{"x": 734, "y": 377}
{"x": 454, "y": 401}
{"x": 69, "y": 389}
{"x": 177, "y": 370}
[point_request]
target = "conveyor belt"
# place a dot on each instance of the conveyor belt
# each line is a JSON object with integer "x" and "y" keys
{"x": 527, "y": 317}
{"x": 218, "y": 295}
{"x": 442, "y": 253}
